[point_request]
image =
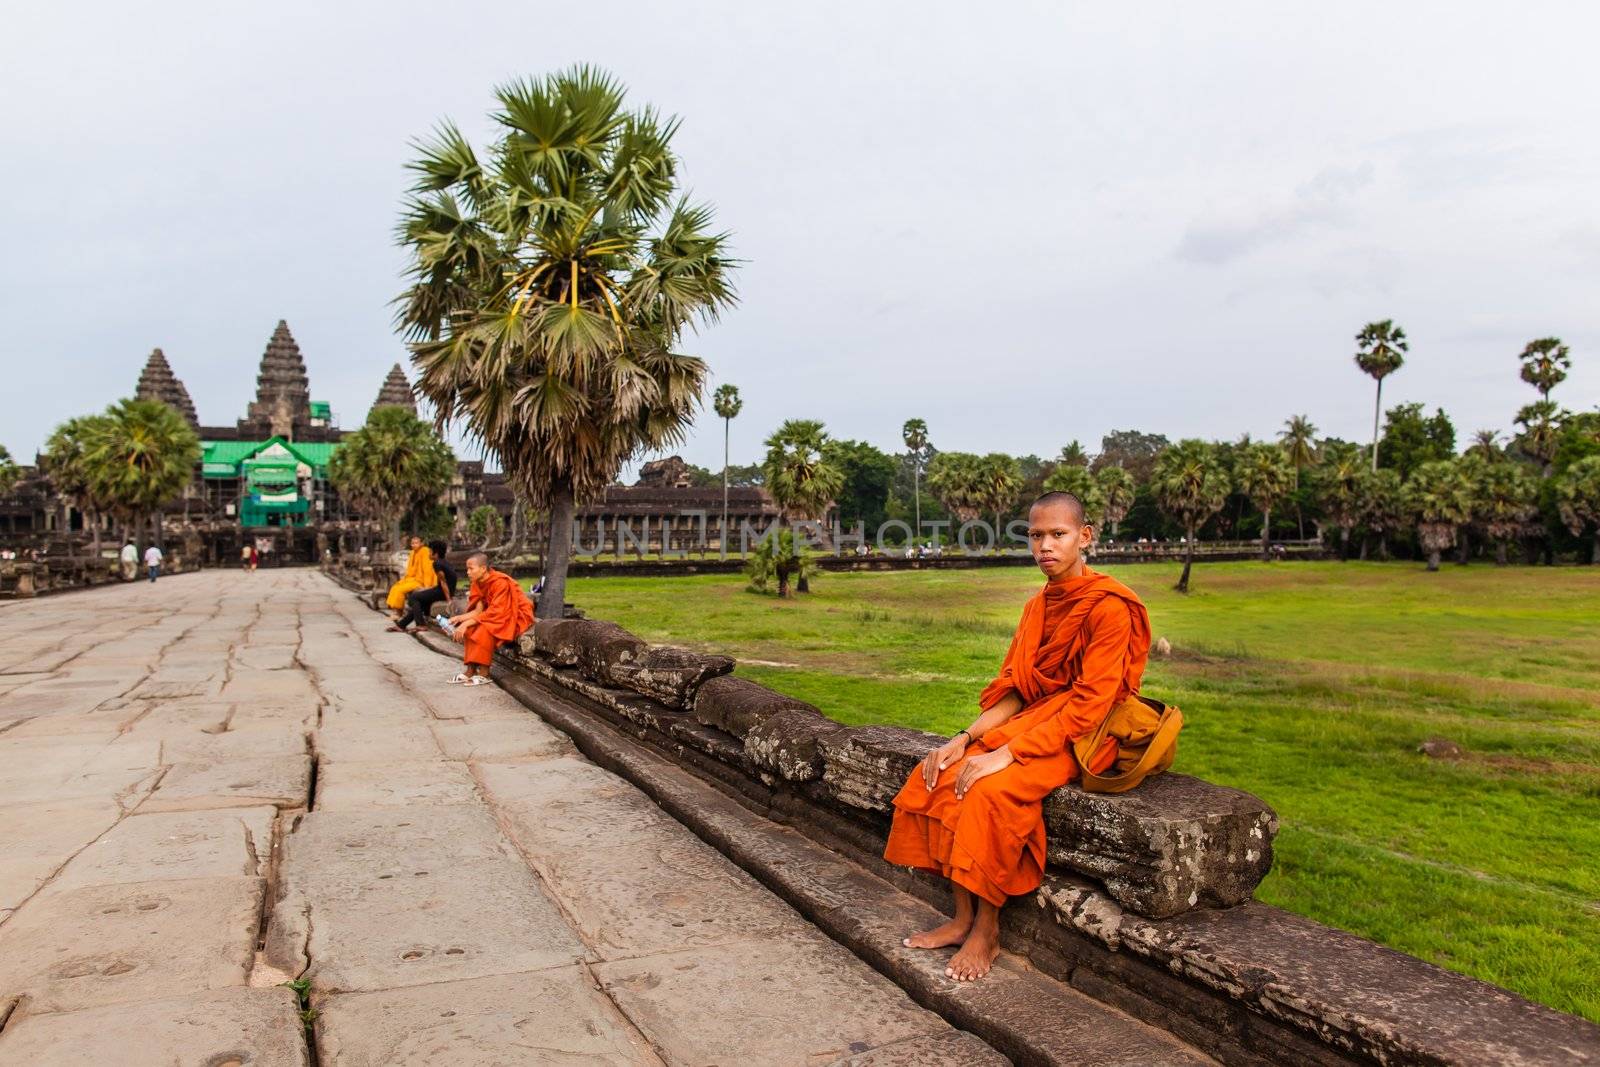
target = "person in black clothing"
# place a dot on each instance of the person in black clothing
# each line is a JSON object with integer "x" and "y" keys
{"x": 419, "y": 602}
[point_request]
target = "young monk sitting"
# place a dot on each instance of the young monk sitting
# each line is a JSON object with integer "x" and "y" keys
{"x": 497, "y": 611}
{"x": 972, "y": 810}
{"x": 419, "y": 575}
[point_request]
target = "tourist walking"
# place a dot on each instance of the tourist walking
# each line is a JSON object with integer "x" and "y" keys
{"x": 152, "y": 561}
{"x": 130, "y": 561}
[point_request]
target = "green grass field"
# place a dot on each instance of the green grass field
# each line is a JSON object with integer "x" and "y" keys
{"x": 1308, "y": 684}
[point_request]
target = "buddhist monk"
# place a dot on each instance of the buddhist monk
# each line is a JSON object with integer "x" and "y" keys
{"x": 419, "y": 575}
{"x": 971, "y": 811}
{"x": 497, "y": 611}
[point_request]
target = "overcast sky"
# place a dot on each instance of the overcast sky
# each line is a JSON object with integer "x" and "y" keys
{"x": 1023, "y": 223}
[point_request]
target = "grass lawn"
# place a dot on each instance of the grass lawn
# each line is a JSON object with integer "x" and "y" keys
{"x": 1308, "y": 684}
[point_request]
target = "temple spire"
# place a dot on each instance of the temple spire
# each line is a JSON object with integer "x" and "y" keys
{"x": 157, "y": 382}
{"x": 396, "y": 392}
{"x": 282, "y": 406}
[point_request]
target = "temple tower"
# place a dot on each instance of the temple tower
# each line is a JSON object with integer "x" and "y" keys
{"x": 396, "y": 393}
{"x": 157, "y": 382}
{"x": 282, "y": 406}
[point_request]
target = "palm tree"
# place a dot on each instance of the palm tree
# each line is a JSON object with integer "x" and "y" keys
{"x": 727, "y": 405}
{"x": 1439, "y": 499}
{"x": 1073, "y": 455}
{"x": 1117, "y": 493}
{"x": 550, "y": 287}
{"x": 915, "y": 435}
{"x": 956, "y": 478}
{"x": 9, "y": 471}
{"x": 1001, "y": 478}
{"x": 1382, "y": 507}
{"x": 1264, "y": 473}
{"x": 802, "y": 481}
{"x": 138, "y": 457}
{"x": 1577, "y": 491}
{"x": 1486, "y": 445}
{"x": 63, "y": 462}
{"x": 1380, "y": 350}
{"x": 1083, "y": 485}
{"x": 1299, "y": 439}
{"x": 1191, "y": 485}
{"x": 1541, "y": 432}
{"x": 392, "y": 465}
{"x": 1545, "y": 363}
{"x": 1341, "y": 491}
{"x": 1504, "y": 503}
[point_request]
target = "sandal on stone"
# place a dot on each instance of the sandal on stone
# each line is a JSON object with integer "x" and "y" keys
{"x": 461, "y": 678}
{"x": 476, "y": 679}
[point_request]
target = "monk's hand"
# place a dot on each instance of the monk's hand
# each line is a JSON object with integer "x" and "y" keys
{"x": 943, "y": 756}
{"x": 981, "y": 767}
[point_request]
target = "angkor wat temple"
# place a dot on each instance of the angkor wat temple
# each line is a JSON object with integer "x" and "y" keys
{"x": 265, "y": 479}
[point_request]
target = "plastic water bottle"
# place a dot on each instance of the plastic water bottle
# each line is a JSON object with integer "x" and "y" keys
{"x": 444, "y": 624}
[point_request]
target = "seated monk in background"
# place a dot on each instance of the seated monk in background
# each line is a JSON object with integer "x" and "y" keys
{"x": 972, "y": 811}
{"x": 419, "y": 575}
{"x": 497, "y": 611}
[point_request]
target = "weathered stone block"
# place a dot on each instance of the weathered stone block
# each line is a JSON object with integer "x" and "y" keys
{"x": 788, "y": 743}
{"x": 734, "y": 705}
{"x": 1171, "y": 844}
{"x": 583, "y": 643}
{"x": 670, "y": 675}
{"x": 865, "y": 767}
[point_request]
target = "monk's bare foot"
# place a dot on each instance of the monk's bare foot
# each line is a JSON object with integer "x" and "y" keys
{"x": 951, "y": 933}
{"x": 975, "y": 957}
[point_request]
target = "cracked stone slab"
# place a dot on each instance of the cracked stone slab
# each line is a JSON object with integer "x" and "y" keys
{"x": 346, "y": 738}
{"x": 36, "y": 839}
{"x": 548, "y": 1017}
{"x": 524, "y": 737}
{"x": 682, "y": 1001}
{"x": 259, "y": 1027}
{"x": 398, "y": 898}
{"x": 347, "y": 786}
{"x": 283, "y": 781}
{"x": 199, "y": 746}
{"x": 940, "y": 1050}
{"x": 117, "y": 943}
{"x": 174, "y": 846}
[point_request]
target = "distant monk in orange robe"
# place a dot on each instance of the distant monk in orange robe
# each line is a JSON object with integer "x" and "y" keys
{"x": 972, "y": 810}
{"x": 497, "y": 611}
{"x": 419, "y": 575}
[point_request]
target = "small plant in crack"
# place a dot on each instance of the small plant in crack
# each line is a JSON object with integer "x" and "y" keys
{"x": 302, "y": 991}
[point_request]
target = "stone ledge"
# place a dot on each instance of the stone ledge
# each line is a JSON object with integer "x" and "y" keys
{"x": 1248, "y": 984}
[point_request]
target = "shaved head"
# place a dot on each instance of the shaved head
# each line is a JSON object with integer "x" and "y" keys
{"x": 480, "y": 558}
{"x": 1061, "y": 499}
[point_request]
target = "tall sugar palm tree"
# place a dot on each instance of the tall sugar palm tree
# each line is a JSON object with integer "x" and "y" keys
{"x": 1117, "y": 491}
{"x": 1545, "y": 364}
{"x": 802, "y": 481}
{"x": 1380, "y": 351}
{"x": 1001, "y": 479}
{"x": 1439, "y": 499}
{"x": 1541, "y": 432}
{"x": 1083, "y": 485}
{"x": 391, "y": 466}
{"x": 956, "y": 478}
{"x": 1486, "y": 445}
{"x": 1264, "y": 473}
{"x": 1073, "y": 455}
{"x": 551, "y": 283}
{"x": 1299, "y": 439}
{"x": 727, "y": 404}
{"x": 1577, "y": 492}
{"x": 915, "y": 435}
{"x": 139, "y": 457}
{"x": 1191, "y": 484}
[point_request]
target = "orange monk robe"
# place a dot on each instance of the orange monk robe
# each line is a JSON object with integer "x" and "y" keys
{"x": 1080, "y": 649}
{"x": 419, "y": 575}
{"x": 507, "y": 613}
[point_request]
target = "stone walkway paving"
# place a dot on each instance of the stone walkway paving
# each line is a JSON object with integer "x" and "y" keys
{"x": 218, "y": 783}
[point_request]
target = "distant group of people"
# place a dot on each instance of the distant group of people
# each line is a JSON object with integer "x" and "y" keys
{"x": 497, "y": 610}
{"x": 129, "y": 558}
